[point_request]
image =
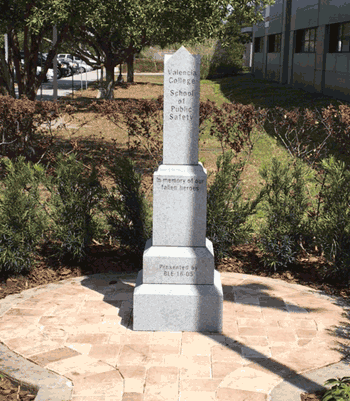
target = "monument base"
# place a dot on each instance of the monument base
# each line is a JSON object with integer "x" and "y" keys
{"x": 178, "y": 307}
{"x": 178, "y": 264}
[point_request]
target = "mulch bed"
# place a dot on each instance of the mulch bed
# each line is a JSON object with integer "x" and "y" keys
{"x": 11, "y": 392}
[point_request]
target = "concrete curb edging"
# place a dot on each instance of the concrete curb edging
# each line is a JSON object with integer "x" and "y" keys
{"x": 48, "y": 385}
{"x": 290, "y": 390}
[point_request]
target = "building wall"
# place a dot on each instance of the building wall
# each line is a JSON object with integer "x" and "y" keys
{"x": 324, "y": 69}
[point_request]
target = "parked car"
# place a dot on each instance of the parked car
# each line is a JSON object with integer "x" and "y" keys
{"x": 83, "y": 66}
{"x": 74, "y": 67}
{"x": 65, "y": 55}
{"x": 61, "y": 68}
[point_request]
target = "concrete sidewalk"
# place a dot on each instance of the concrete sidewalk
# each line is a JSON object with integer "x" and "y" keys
{"x": 80, "y": 331}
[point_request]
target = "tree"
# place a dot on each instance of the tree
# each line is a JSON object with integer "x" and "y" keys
{"x": 230, "y": 47}
{"x": 27, "y": 24}
{"x": 118, "y": 30}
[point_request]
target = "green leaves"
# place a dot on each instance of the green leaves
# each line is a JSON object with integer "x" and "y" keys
{"x": 285, "y": 207}
{"x": 128, "y": 213}
{"x": 333, "y": 228}
{"x": 226, "y": 214}
{"x": 21, "y": 222}
{"x": 340, "y": 391}
{"x": 73, "y": 200}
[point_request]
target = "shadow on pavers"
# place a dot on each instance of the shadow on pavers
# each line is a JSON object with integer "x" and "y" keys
{"x": 118, "y": 291}
{"x": 342, "y": 330}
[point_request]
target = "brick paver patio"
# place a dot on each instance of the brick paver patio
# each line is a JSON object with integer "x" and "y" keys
{"x": 82, "y": 329}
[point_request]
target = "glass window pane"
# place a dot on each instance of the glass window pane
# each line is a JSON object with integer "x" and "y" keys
{"x": 345, "y": 45}
{"x": 346, "y": 29}
{"x": 307, "y": 34}
{"x": 278, "y": 42}
{"x": 312, "y": 47}
{"x": 312, "y": 34}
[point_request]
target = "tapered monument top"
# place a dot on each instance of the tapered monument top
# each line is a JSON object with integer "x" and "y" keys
{"x": 181, "y": 108}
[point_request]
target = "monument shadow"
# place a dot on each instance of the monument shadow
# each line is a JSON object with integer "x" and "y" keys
{"x": 118, "y": 288}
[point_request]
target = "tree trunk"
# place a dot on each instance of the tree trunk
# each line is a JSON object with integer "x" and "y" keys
{"x": 130, "y": 64}
{"x": 7, "y": 77}
{"x": 110, "y": 82}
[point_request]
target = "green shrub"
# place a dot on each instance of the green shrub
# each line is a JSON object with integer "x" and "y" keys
{"x": 227, "y": 60}
{"x": 147, "y": 65}
{"x": 128, "y": 212}
{"x": 205, "y": 66}
{"x": 22, "y": 224}
{"x": 285, "y": 205}
{"x": 226, "y": 214}
{"x": 333, "y": 228}
{"x": 73, "y": 197}
{"x": 340, "y": 390}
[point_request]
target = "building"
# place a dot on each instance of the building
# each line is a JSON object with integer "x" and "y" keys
{"x": 305, "y": 44}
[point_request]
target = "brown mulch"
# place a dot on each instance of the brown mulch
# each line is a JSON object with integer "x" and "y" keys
{"x": 246, "y": 259}
{"x": 11, "y": 392}
{"x": 316, "y": 396}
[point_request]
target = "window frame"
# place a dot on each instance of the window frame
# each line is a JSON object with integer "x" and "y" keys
{"x": 342, "y": 38}
{"x": 306, "y": 40}
{"x": 275, "y": 43}
{"x": 259, "y": 44}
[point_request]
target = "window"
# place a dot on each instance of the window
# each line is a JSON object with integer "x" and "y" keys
{"x": 274, "y": 43}
{"x": 305, "y": 40}
{"x": 259, "y": 45}
{"x": 339, "y": 38}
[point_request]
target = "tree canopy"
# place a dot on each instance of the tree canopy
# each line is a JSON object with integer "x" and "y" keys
{"x": 115, "y": 29}
{"x": 118, "y": 30}
{"x": 26, "y": 24}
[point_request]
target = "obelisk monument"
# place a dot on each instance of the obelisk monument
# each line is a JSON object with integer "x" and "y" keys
{"x": 178, "y": 288}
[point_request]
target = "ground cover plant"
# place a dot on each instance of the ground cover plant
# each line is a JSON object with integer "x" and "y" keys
{"x": 102, "y": 138}
{"x": 339, "y": 391}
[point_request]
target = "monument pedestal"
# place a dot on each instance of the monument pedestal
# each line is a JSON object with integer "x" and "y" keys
{"x": 178, "y": 307}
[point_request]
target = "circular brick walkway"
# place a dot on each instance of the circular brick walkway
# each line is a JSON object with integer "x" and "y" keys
{"x": 82, "y": 329}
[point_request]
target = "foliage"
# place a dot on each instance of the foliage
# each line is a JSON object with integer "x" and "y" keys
{"x": 226, "y": 60}
{"x": 230, "y": 47}
{"x": 119, "y": 30}
{"x": 232, "y": 124}
{"x": 226, "y": 214}
{"x": 75, "y": 196}
{"x": 146, "y": 65}
{"x": 333, "y": 228}
{"x": 143, "y": 119}
{"x": 285, "y": 206}
{"x": 20, "y": 121}
{"x": 128, "y": 211}
{"x": 340, "y": 390}
{"x": 205, "y": 66}
{"x": 28, "y": 24}
{"x": 21, "y": 222}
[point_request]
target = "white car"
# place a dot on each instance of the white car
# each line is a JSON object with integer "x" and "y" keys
{"x": 69, "y": 56}
{"x": 82, "y": 64}
{"x": 73, "y": 66}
